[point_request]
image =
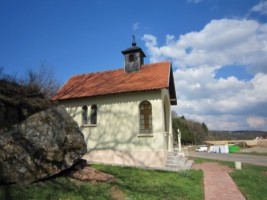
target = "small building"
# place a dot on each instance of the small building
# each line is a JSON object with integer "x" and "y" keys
{"x": 124, "y": 114}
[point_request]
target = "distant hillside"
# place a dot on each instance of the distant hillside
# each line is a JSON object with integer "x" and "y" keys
{"x": 237, "y": 135}
{"x": 196, "y": 133}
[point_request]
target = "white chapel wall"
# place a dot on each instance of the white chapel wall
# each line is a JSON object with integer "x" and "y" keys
{"x": 118, "y": 121}
{"x": 165, "y": 96}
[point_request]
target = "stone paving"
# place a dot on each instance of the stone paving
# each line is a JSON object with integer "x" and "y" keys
{"x": 217, "y": 182}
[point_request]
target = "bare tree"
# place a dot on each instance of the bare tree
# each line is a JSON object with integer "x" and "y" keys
{"x": 43, "y": 80}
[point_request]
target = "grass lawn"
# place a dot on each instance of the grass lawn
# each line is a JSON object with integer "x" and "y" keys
{"x": 130, "y": 183}
{"x": 251, "y": 180}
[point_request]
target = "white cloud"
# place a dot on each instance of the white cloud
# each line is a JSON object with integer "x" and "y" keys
{"x": 222, "y": 122}
{"x": 222, "y": 103}
{"x": 199, "y": 92}
{"x": 135, "y": 26}
{"x": 256, "y": 122}
{"x": 221, "y": 42}
{"x": 260, "y": 8}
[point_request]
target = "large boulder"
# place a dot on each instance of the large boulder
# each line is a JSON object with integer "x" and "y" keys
{"x": 43, "y": 145}
{"x": 18, "y": 102}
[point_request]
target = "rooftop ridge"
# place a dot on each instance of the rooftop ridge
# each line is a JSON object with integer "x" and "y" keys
{"x": 152, "y": 76}
{"x": 122, "y": 68}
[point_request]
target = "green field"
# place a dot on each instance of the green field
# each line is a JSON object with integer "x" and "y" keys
{"x": 133, "y": 183}
{"x": 130, "y": 183}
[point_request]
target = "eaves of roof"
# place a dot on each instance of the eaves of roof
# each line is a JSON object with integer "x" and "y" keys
{"x": 150, "y": 77}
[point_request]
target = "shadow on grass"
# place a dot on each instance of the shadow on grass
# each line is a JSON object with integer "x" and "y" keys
{"x": 54, "y": 188}
{"x": 134, "y": 183}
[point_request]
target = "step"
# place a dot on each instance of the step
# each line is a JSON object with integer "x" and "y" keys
{"x": 176, "y": 169}
{"x": 172, "y": 153}
{"x": 176, "y": 162}
{"x": 176, "y": 158}
{"x": 189, "y": 163}
{"x": 176, "y": 153}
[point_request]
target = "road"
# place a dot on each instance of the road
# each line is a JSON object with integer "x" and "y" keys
{"x": 244, "y": 158}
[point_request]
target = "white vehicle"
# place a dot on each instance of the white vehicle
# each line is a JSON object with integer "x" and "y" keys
{"x": 202, "y": 149}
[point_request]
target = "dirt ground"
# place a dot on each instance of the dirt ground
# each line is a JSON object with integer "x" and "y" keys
{"x": 117, "y": 194}
{"x": 92, "y": 175}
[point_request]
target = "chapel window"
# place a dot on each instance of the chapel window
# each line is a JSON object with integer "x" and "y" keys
{"x": 84, "y": 115}
{"x": 131, "y": 58}
{"x": 93, "y": 118}
{"x": 145, "y": 109}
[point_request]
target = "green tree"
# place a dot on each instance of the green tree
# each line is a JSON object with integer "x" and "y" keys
{"x": 186, "y": 134}
{"x": 191, "y": 132}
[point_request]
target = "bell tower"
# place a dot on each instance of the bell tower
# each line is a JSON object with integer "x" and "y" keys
{"x": 133, "y": 58}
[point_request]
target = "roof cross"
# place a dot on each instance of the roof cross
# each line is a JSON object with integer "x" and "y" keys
{"x": 133, "y": 43}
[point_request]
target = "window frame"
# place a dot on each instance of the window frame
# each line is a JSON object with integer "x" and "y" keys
{"x": 93, "y": 115}
{"x": 145, "y": 118}
{"x": 131, "y": 57}
{"x": 85, "y": 115}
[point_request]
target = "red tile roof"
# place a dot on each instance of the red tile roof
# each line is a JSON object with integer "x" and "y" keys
{"x": 150, "y": 77}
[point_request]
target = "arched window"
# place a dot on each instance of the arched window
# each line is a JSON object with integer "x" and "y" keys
{"x": 84, "y": 115}
{"x": 93, "y": 118}
{"x": 145, "y": 109}
{"x": 131, "y": 57}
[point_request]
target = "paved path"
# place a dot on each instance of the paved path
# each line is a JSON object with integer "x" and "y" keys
{"x": 256, "y": 160}
{"x": 217, "y": 182}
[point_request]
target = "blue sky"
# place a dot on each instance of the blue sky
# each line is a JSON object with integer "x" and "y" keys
{"x": 218, "y": 48}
